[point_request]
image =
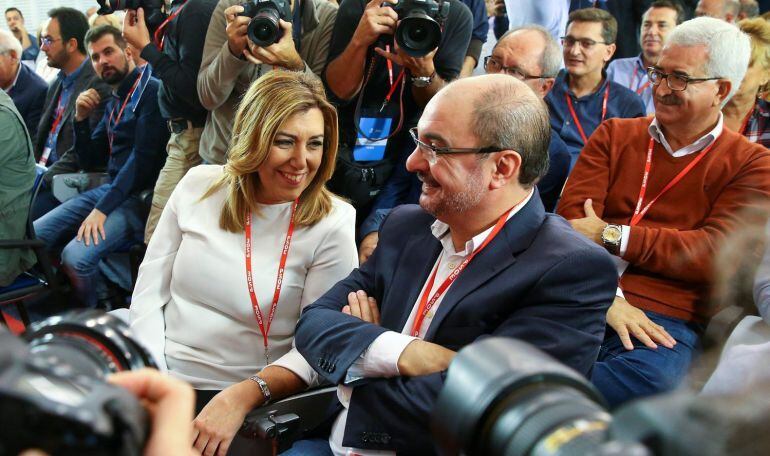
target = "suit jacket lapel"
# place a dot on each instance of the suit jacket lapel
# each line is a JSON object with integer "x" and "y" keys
{"x": 498, "y": 255}
{"x": 418, "y": 257}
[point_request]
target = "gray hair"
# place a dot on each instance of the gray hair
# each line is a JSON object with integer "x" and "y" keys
{"x": 750, "y": 8}
{"x": 8, "y": 43}
{"x": 729, "y": 49}
{"x": 733, "y": 7}
{"x": 506, "y": 118}
{"x": 550, "y": 61}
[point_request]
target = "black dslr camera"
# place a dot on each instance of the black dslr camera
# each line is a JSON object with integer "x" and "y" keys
{"x": 153, "y": 10}
{"x": 420, "y": 24}
{"x": 264, "y": 28}
{"x": 53, "y": 394}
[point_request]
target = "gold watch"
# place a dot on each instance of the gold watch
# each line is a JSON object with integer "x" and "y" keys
{"x": 611, "y": 237}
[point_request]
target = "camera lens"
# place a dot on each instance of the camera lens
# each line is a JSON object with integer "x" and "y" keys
{"x": 418, "y": 34}
{"x": 89, "y": 343}
{"x": 264, "y": 29}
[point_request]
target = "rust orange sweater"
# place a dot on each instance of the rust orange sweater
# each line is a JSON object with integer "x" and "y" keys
{"x": 671, "y": 250}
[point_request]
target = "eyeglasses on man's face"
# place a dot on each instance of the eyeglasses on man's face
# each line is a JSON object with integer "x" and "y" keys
{"x": 431, "y": 152}
{"x": 492, "y": 65}
{"x": 48, "y": 40}
{"x": 586, "y": 43}
{"x": 675, "y": 82}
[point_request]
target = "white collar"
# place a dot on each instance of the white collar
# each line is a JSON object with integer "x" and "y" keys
{"x": 703, "y": 142}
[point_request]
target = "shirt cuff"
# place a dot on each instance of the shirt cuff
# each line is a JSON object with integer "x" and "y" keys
{"x": 296, "y": 363}
{"x": 619, "y": 293}
{"x": 625, "y": 233}
{"x": 380, "y": 359}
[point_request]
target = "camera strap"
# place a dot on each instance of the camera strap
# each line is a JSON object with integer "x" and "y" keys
{"x": 357, "y": 113}
{"x": 160, "y": 34}
{"x": 264, "y": 326}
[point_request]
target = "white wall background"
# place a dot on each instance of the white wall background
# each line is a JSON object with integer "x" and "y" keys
{"x": 35, "y": 11}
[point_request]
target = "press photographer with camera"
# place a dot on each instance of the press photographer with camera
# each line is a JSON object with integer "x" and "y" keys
{"x": 174, "y": 49}
{"x": 245, "y": 41}
{"x": 386, "y": 60}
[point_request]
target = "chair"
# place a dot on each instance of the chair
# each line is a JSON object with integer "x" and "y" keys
{"x": 29, "y": 283}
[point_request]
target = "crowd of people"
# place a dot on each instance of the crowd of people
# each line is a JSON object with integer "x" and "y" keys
{"x": 334, "y": 208}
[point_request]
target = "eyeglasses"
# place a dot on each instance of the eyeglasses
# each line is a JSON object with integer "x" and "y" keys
{"x": 47, "y": 40}
{"x": 492, "y": 65}
{"x": 431, "y": 153}
{"x": 675, "y": 82}
{"x": 585, "y": 43}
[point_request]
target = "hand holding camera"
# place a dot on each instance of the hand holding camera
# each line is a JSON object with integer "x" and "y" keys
{"x": 261, "y": 32}
{"x": 377, "y": 20}
{"x": 135, "y": 29}
{"x": 417, "y": 66}
{"x": 282, "y": 53}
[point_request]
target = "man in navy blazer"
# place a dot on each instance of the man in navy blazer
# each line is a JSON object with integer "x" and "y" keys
{"x": 492, "y": 262}
{"x": 26, "y": 88}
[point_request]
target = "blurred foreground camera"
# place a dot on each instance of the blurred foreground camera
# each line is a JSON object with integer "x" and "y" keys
{"x": 505, "y": 397}
{"x": 153, "y": 10}
{"x": 53, "y": 394}
{"x": 265, "y": 28}
{"x": 420, "y": 24}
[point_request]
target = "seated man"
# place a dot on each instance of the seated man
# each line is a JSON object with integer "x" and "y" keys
{"x": 661, "y": 195}
{"x": 482, "y": 145}
{"x": 582, "y": 96}
{"x": 659, "y": 19}
{"x": 133, "y": 135}
{"x": 15, "y": 21}
{"x": 26, "y": 88}
{"x": 17, "y": 173}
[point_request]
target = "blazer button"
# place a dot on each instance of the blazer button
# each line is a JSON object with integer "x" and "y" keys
{"x": 385, "y": 438}
{"x": 365, "y": 437}
{"x": 320, "y": 362}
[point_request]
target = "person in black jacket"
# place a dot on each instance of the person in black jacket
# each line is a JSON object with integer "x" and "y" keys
{"x": 26, "y": 88}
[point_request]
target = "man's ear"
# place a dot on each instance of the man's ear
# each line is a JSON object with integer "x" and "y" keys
{"x": 507, "y": 168}
{"x": 610, "y": 52}
{"x": 725, "y": 86}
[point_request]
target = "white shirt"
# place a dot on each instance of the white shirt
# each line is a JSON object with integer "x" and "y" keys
{"x": 381, "y": 358}
{"x": 191, "y": 303}
{"x": 657, "y": 135}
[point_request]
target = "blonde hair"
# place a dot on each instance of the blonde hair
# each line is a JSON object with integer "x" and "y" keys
{"x": 108, "y": 19}
{"x": 758, "y": 30}
{"x": 267, "y": 105}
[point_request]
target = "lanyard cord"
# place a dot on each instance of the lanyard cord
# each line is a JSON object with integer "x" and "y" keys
{"x": 575, "y": 116}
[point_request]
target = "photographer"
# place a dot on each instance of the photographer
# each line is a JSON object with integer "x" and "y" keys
{"x": 383, "y": 89}
{"x": 231, "y": 62}
{"x": 175, "y": 55}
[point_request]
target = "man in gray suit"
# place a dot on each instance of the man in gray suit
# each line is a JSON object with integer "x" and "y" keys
{"x": 62, "y": 42}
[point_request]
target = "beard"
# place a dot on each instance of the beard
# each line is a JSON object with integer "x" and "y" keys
{"x": 457, "y": 202}
{"x": 56, "y": 60}
{"x": 116, "y": 75}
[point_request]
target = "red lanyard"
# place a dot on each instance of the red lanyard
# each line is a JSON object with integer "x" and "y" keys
{"x": 425, "y": 304}
{"x": 640, "y": 212}
{"x": 639, "y": 90}
{"x": 110, "y": 125}
{"x": 393, "y": 86}
{"x": 746, "y": 120}
{"x": 59, "y": 115}
{"x": 265, "y": 329}
{"x": 159, "y": 35}
{"x": 575, "y": 117}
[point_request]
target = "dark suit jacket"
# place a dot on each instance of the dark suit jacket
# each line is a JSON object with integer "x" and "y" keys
{"x": 538, "y": 281}
{"x": 67, "y": 162}
{"x": 28, "y": 94}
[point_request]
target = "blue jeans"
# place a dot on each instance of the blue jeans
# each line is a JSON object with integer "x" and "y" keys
{"x": 124, "y": 227}
{"x": 621, "y": 375}
{"x": 311, "y": 447}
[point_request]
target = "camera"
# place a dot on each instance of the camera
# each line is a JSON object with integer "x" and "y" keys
{"x": 264, "y": 28}
{"x": 153, "y": 10}
{"x": 53, "y": 393}
{"x": 505, "y": 397}
{"x": 420, "y": 23}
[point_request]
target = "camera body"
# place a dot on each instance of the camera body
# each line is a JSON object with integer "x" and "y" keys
{"x": 264, "y": 28}
{"x": 153, "y": 10}
{"x": 53, "y": 393}
{"x": 420, "y": 25}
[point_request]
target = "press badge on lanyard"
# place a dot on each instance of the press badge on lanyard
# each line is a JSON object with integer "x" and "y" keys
{"x": 372, "y": 138}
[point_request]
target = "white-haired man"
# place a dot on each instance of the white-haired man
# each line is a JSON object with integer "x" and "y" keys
{"x": 727, "y": 10}
{"x": 661, "y": 195}
{"x": 26, "y": 89}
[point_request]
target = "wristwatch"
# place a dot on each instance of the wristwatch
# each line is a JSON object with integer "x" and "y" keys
{"x": 611, "y": 237}
{"x": 263, "y": 387}
{"x": 422, "y": 81}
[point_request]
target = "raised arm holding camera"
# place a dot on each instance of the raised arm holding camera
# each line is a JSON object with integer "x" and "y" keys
{"x": 245, "y": 41}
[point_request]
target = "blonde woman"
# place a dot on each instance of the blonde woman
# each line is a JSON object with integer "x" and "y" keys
{"x": 215, "y": 312}
{"x": 746, "y": 112}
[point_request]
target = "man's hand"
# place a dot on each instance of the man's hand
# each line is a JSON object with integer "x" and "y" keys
{"x": 85, "y": 103}
{"x": 423, "y": 358}
{"x": 282, "y": 54}
{"x": 625, "y": 318}
{"x": 377, "y": 20}
{"x": 135, "y": 30}
{"x": 219, "y": 421}
{"x": 500, "y": 8}
{"x": 417, "y": 66}
{"x": 237, "y": 26}
{"x": 368, "y": 244}
{"x": 591, "y": 226}
{"x": 363, "y": 307}
{"x": 92, "y": 227}
{"x": 170, "y": 403}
